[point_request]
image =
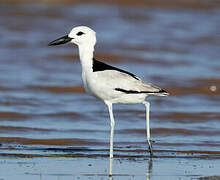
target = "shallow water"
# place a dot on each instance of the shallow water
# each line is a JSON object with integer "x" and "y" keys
{"x": 44, "y": 110}
{"x": 125, "y": 169}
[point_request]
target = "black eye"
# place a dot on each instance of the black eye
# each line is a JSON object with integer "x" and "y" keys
{"x": 80, "y": 33}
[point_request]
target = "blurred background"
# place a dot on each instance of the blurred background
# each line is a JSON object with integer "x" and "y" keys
{"x": 174, "y": 44}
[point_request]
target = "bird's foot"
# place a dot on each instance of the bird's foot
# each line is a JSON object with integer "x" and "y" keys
{"x": 150, "y": 149}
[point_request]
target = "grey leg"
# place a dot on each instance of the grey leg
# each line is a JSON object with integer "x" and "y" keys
{"x": 147, "y": 106}
{"x": 111, "y": 136}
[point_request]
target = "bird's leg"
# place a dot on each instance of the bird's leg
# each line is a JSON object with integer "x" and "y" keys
{"x": 111, "y": 136}
{"x": 147, "y": 106}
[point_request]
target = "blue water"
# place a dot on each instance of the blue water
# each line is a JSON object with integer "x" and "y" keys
{"x": 40, "y": 94}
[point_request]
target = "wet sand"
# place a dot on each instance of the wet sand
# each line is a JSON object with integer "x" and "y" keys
{"x": 51, "y": 129}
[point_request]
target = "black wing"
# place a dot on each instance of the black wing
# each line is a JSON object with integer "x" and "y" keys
{"x": 140, "y": 92}
{"x": 100, "y": 66}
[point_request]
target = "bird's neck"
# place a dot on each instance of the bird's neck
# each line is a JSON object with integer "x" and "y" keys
{"x": 86, "y": 56}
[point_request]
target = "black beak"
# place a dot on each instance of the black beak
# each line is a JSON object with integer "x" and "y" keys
{"x": 61, "y": 40}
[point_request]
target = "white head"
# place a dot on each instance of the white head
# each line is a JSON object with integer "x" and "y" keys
{"x": 81, "y": 36}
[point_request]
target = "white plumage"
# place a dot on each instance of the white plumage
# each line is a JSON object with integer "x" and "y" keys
{"x": 102, "y": 84}
{"x": 108, "y": 83}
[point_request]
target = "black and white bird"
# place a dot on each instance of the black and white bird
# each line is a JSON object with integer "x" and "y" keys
{"x": 108, "y": 83}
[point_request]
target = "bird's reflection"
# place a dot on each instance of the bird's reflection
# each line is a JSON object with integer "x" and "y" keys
{"x": 110, "y": 168}
{"x": 110, "y": 178}
{"x": 149, "y": 169}
{"x": 148, "y": 172}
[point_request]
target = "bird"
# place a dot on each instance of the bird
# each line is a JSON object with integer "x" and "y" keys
{"x": 108, "y": 83}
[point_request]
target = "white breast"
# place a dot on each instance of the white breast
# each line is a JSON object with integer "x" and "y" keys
{"x": 102, "y": 85}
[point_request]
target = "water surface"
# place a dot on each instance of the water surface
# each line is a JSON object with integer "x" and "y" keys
{"x": 45, "y": 111}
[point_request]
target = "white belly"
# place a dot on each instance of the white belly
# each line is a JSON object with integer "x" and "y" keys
{"x": 106, "y": 92}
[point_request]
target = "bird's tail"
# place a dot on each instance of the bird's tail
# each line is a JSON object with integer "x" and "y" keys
{"x": 161, "y": 92}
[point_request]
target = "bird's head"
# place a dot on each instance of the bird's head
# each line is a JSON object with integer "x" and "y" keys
{"x": 81, "y": 36}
